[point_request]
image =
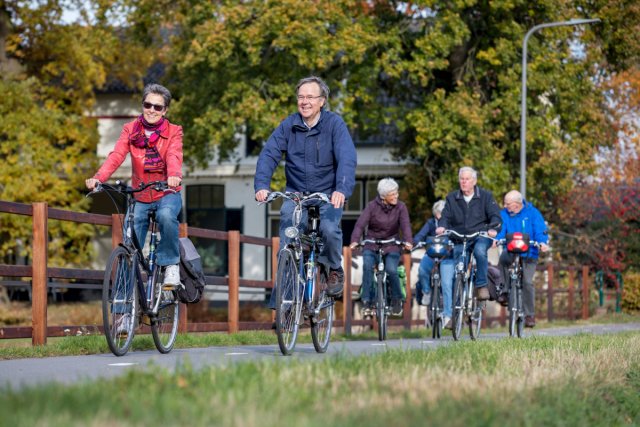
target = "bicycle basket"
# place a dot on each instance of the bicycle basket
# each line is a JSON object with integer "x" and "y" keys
{"x": 438, "y": 247}
{"x": 517, "y": 243}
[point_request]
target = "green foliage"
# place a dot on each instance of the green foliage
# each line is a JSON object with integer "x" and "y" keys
{"x": 50, "y": 73}
{"x": 631, "y": 292}
{"x": 438, "y": 82}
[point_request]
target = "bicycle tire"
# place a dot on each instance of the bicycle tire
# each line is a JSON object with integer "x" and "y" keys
{"x": 119, "y": 289}
{"x": 436, "y": 308}
{"x": 520, "y": 313}
{"x": 381, "y": 311}
{"x": 288, "y": 302}
{"x": 459, "y": 300}
{"x": 475, "y": 318}
{"x": 322, "y": 321}
{"x": 164, "y": 327}
{"x": 513, "y": 310}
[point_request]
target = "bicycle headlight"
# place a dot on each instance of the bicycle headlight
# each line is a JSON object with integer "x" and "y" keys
{"x": 291, "y": 232}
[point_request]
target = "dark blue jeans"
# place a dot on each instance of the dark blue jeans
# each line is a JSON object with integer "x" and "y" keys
{"x": 167, "y": 210}
{"x": 479, "y": 247}
{"x": 391, "y": 261}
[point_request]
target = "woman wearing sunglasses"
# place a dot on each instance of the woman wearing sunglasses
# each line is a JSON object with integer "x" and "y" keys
{"x": 155, "y": 146}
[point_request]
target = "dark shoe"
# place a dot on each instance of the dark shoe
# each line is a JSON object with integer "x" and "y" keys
{"x": 503, "y": 299}
{"x": 335, "y": 283}
{"x": 529, "y": 321}
{"x": 396, "y": 307}
{"x": 483, "y": 293}
{"x": 273, "y": 326}
{"x": 367, "y": 308}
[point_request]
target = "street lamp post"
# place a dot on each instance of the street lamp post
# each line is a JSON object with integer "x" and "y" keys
{"x": 523, "y": 107}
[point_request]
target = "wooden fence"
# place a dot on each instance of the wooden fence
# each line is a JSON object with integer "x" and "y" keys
{"x": 41, "y": 273}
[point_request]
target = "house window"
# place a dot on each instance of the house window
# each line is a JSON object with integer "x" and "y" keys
{"x": 206, "y": 209}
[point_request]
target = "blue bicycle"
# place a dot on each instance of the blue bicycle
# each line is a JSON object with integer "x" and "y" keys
{"x": 301, "y": 280}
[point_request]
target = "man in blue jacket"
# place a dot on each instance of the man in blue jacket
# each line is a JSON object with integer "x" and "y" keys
{"x": 467, "y": 210}
{"x": 319, "y": 157}
{"x": 521, "y": 216}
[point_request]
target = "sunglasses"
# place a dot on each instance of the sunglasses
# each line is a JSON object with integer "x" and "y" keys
{"x": 148, "y": 106}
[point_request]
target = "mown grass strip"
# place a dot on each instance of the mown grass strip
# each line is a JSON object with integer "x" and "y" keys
{"x": 569, "y": 381}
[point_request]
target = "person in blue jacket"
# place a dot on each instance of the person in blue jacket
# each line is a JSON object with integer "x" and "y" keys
{"x": 319, "y": 157}
{"x": 423, "y": 289}
{"x": 521, "y": 216}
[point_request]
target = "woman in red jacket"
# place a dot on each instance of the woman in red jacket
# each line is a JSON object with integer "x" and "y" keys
{"x": 155, "y": 146}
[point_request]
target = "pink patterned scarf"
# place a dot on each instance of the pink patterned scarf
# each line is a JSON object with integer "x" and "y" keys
{"x": 152, "y": 160}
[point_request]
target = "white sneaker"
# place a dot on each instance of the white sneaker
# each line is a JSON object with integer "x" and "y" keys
{"x": 446, "y": 322}
{"x": 426, "y": 299}
{"x": 123, "y": 323}
{"x": 172, "y": 275}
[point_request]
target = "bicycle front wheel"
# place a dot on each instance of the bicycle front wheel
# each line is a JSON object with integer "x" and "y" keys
{"x": 475, "y": 318}
{"x": 119, "y": 301}
{"x": 322, "y": 320}
{"x": 288, "y": 302}
{"x": 164, "y": 327}
{"x": 381, "y": 310}
{"x": 437, "y": 306}
{"x": 513, "y": 310}
{"x": 459, "y": 301}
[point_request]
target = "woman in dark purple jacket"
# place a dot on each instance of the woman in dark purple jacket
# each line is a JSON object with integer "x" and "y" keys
{"x": 383, "y": 218}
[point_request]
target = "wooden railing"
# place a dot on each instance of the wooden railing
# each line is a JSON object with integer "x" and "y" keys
{"x": 41, "y": 273}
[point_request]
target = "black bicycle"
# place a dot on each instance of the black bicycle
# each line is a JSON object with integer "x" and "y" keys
{"x": 516, "y": 244}
{"x": 301, "y": 280}
{"x": 132, "y": 291}
{"x": 466, "y": 305}
{"x": 438, "y": 248}
{"x": 383, "y": 291}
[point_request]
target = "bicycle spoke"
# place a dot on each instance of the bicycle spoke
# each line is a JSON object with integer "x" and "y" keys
{"x": 288, "y": 301}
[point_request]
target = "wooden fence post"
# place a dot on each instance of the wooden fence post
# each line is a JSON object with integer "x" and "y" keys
{"x": 39, "y": 274}
{"x": 550, "y": 293}
{"x": 585, "y": 292}
{"x": 234, "y": 280}
{"x": 571, "y": 292}
{"x": 275, "y": 248}
{"x": 347, "y": 303}
{"x": 117, "y": 221}
{"x": 406, "y": 261}
{"x": 182, "y": 319}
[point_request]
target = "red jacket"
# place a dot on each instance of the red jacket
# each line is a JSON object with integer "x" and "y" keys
{"x": 170, "y": 149}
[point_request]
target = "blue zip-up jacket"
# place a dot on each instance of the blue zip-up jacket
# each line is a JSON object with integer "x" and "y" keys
{"x": 320, "y": 159}
{"x": 528, "y": 220}
{"x": 427, "y": 230}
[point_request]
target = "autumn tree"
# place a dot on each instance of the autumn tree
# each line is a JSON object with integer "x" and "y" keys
{"x": 50, "y": 72}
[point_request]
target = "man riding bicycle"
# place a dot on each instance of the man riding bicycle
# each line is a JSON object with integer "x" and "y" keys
{"x": 319, "y": 157}
{"x": 521, "y": 216}
{"x": 466, "y": 211}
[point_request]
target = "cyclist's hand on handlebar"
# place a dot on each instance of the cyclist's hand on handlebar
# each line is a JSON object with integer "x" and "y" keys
{"x": 337, "y": 199}
{"x": 91, "y": 183}
{"x": 544, "y": 247}
{"x": 261, "y": 195}
{"x": 408, "y": 246}
{"x": 492, "y": 233}
{"x": 174, "y": 181}
{"x": 354, "y": 245}
{"x": 439, "y": 231}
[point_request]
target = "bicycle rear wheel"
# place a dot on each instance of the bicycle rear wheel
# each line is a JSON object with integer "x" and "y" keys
{"x": 288, "y": 302}
{"x": 436, "y": 306}
{"x": 164, "y": 327}
{"x": 513, "y": 310}
{"x": 119, "y": 300}
{"x": 381, "y": 310}
{"x": 475, "y": 318}
{"x": 322, "y": 321}
{"x": 459, "y": 301}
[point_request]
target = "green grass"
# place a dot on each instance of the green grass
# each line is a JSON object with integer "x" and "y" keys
{"x": 584, "y": 380}
{"x": 96, "y": 344}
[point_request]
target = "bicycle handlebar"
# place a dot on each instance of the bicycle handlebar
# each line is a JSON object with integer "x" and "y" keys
{"x": 297, "y": 198}
{"x": 120, "y": 187}
{"x": 503, "y": 242}
{"x": 381, "y": 242}
{"x": 467, "y": 236}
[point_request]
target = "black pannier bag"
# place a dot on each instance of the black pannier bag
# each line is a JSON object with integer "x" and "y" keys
{"x": 191, "y": 273}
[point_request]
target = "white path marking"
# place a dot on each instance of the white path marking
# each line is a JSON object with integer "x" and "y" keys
{"x": 123, "y": 364}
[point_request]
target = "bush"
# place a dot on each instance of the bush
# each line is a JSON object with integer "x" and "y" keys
{"x": 631, "y": 292}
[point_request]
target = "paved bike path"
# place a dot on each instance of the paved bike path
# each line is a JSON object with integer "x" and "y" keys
{"x": 20, "y": 373}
